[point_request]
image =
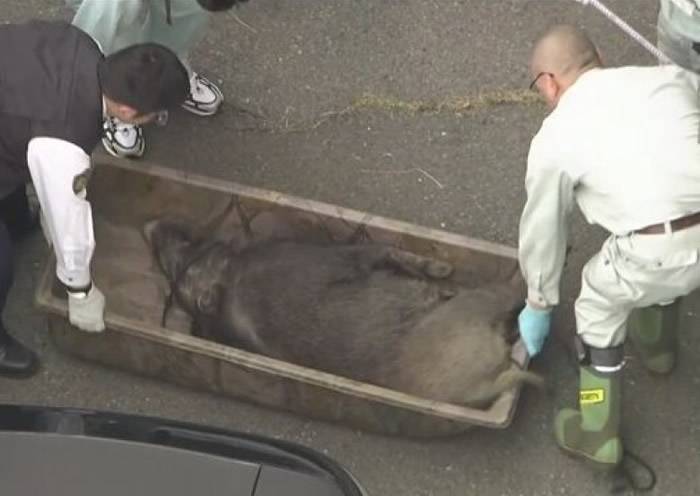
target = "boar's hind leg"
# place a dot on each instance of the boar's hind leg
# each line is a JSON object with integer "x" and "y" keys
{"x": 375, "y": 256}
{"x": 506, "y": 380}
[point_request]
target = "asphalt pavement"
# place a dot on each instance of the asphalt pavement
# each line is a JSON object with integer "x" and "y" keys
{"x": 362, "y": 103}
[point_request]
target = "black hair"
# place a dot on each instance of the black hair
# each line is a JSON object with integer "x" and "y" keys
{"x": 218, "y": 5}
{"x": 147, "y": 77}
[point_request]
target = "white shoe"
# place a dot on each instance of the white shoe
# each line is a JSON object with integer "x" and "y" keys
{"x": 204, "y": 98}
{"x": 123, "y": 140}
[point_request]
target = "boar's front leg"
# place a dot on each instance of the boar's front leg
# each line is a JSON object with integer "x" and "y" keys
{"x": 378, "y": 256}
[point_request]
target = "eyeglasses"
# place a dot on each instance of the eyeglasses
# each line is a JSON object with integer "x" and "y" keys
{"x": 534, "y": 81}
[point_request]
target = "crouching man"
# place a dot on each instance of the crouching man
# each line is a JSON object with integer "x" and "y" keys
{"x": 57, "y": 89}
{"x": 623, "y": 144}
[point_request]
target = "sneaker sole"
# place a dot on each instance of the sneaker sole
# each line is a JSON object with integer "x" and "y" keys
{"x": 24, "y": 374}
{"x": 109, "y": 149}
{"x": 201, "y": 112}
{"x": 587, "y": 460}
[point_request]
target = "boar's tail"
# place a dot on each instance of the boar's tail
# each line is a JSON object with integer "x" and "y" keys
{"x": 515, "y": 376}
{"x": 506, "y": 380}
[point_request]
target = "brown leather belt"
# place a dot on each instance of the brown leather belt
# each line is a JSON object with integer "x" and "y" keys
{"x": 676, "y": 225}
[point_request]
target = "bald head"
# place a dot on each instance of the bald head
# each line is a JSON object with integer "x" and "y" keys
{"x": 566, "y": 51}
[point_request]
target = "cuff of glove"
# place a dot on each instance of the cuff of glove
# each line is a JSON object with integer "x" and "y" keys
{"x": 79, "y": 293}
{"x": 539, "y": 307}
{"x": 537, "y": 299}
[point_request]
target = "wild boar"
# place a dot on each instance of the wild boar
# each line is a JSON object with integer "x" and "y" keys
{"x": 367, "y": 311}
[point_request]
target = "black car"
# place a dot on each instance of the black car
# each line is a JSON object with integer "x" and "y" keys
{"x": 72, "y": 452}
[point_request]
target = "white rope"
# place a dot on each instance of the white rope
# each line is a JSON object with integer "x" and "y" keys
{"x": 627, "y": 29}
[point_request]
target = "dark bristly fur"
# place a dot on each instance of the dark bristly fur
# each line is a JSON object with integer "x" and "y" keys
{"x": 368, "y": 312}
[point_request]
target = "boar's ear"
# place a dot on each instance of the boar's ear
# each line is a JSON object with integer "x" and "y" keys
{"x": 208, "y": 301}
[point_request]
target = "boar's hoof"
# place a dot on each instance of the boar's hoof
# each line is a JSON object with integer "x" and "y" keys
{"x": 438, "y": 270}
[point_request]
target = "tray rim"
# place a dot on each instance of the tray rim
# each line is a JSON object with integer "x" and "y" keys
{"x": 499, "y": 415}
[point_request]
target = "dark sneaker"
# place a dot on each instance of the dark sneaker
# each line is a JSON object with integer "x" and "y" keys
{"x": 16, "y": 360}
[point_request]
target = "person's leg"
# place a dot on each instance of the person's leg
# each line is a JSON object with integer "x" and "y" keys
{"x": 653, "y": 331}
{"x": 631, "y": 272}
{"x": 673, "y": 36}
{"x": 15, "y": 359}
{"x": 592, "y": 430}
{"x": 189, "y": 23}
{"x": 670, "y": 271}
{"x": 16, "y": 214}
{"x": 116, "y": 24}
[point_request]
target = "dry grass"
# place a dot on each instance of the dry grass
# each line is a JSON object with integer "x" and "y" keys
{"x": 456, "y": 105}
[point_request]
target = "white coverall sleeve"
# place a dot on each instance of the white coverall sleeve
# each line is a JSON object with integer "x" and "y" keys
{"x": 544, "y": 227}
{"x": 53, "y": 165}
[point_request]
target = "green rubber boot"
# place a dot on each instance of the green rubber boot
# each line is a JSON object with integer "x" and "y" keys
{"x": 654, "y": 334}
{"x": 593, "y": 432}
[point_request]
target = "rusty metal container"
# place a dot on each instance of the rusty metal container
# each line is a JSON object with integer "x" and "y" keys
{"x": 125, "y": 195}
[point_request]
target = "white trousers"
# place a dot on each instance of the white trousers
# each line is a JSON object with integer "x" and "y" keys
{"x": 634, "y": 271}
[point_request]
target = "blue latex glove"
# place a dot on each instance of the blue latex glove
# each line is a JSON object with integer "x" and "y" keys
{"x": 534, "y": 325}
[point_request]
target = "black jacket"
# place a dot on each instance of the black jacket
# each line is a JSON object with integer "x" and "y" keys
{"x": 48, "y": 87}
